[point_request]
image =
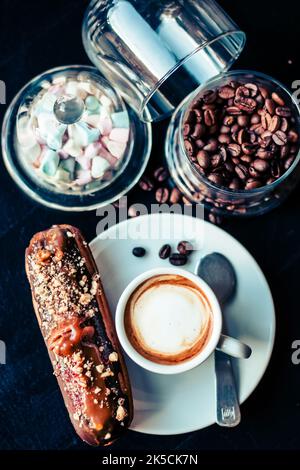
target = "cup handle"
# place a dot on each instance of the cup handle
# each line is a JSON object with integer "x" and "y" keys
{"x": 233, "y": 347}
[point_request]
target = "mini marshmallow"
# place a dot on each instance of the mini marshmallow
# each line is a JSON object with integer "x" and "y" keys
{"x": 50, "y": 162}
{"x": 82, "y": 134}
{"x": 105, "y": 125}
{"x": 92, "y": 150}
{"x": 83, "y": 177}
{"x": 71, "y": 87}
{"x": 105, "y": 101}
{"x": 120, "y": 119}
{"x": 117, "y": 149}
{"x": 99, "y": 166}
{"x": 92, "y": 104}
{"x": 103, "y": 152}
{"x": 72, "y": 149}
{"x": 55, "y": 140}
{"x": 119, "y": 134}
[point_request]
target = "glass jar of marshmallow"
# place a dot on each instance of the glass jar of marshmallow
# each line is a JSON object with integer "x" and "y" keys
{"x": 68, "y": 139}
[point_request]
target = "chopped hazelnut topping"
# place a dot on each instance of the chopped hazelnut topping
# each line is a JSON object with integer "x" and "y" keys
{"x": 113, "y": 357}
{"x": 97, "y": 390}
{"x": 100, "y": 368}
{"x": 121, "y": 413}
{"x": 85, "y": 299}
{"x": 107, "y": 373}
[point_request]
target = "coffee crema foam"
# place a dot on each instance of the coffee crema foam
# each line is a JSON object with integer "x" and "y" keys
{"x": 168, "y": 319}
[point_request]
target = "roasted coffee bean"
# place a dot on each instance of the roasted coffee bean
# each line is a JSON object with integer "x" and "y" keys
{"x": 210, "y": 96}
{"x": 260, "y": 165}
{"x": 255, "y": 118}
{"x": 178, "y": 259}
{"x": 277, "y": 99}
{"x": 283, "y": 111}
{"x": 253, "y": 172}
{"x": 253, "y": 183}
{"x": 280, "y": 138}
{"x": 246, "y": 158}
{"x": 216, "y": 160}
{"x": 199, "y": 143}
{"x": 162, "y": 195}
{"x": 161, "y": 174}
{"x": 175, "y": 196}
{"x": 224, "y": 139}
{"x": 186, "y": 129}
{"x": 189, "y": 147}
{"x": 270, "y": 106}
{"x": 235, "y": 160}
{"x": 242, "y": 136}
{"x": 241, "y": 171}
{"x": 265, "y": 119}
{"x": 215, "y": 178}
{"x": 184, "y": 247}
{"x": 132, "y": 211}
{"x": 284, "y": 151}
{"x": 198, "y": 115}
{"x": 248, "y": 149}
{"x": 139, "y": 251}
{"x": 209, "y": 117}
{"x": 214, "y": 219}
{"x": 211, "y": 145}
{"x": 233, "y": 110}
{"x": 284, "y": 124}
{"x": 246, "y": 104}
{"x": 265, "y": 139}
{"x": 229, "y": 167}
{"x": 228, "y": 120}
{"x": 235, "y": 128}
{"x": 243, "y": 120}
{"x": 223, "y": 153}
{"x": 165, "y": 251}
{"x": 212, "y": 130}
{"x": 293, "y": 136}
{"x": 224, "y": 129}
{"x": 242, "y": 91}
{"x": 234, "y": 149}
{"x": 203, "y": 159}
{"x": 226, "y": 92}
{"x": 146, "y": 184}
{"x": 253, "y": 88}
{"x": 274, "y": 124}
{"x": 264, "y": 154}
{"x": 275, "y": 169}
{"x": 252, "y": 137}
{"x": 199, "y": 131}
{"x": 264, "y": 92}
{"x": 289, "y": 161}
{"x": 235, "y": 184}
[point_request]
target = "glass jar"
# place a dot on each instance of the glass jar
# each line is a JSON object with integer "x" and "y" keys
{"x": 71, "y": 142}
{"x": 198, "y": 188}
{"x": 157, "y": 52}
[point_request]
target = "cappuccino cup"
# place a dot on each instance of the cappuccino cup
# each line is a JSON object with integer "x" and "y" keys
{"x": 168, "y": 321}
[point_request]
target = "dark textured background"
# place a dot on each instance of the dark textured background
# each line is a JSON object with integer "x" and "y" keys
{"x": 38, "y": 35}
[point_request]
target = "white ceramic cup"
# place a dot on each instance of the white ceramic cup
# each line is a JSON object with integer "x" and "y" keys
{"x": 218, "y": 341}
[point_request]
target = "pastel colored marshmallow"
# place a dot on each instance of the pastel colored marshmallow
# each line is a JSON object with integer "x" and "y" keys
{"x": 83, "y": 177}
{"x": 105, "y": 125}
{"x": 50, "y": 162}
{"x": 55, "y": 139}
{"x": 99, "y": 166}
{"x": 117, "y": 149}
{"x": 120, "y": 119}
{"x": 119, "y": 134}
{"x": 72, "y": 149}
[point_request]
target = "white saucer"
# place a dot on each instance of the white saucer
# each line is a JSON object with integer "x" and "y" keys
{"x": 186, "y": 402}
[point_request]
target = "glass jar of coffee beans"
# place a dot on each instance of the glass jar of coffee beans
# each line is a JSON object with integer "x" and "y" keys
{"x": 234, "y": 144}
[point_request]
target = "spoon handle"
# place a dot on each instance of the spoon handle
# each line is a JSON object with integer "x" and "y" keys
{"x": 228, "y": 410}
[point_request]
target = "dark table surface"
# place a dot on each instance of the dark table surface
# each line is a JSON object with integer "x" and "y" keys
{"x": 38, "y": 35}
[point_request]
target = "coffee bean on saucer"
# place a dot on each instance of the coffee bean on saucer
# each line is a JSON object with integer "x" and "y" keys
{"x": 165, "y": 251}
{"x": 139, "y": 251}
{"x": 175, "y": 196}
{"x": 162, "y": 195}
{"x": 178, "y": 259}
{"x": 185, "y": 247}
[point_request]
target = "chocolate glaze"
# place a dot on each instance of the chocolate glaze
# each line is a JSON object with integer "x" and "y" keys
{"x": 75, "y": 321}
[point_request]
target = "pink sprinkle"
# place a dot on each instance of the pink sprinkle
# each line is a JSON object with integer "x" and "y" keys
{"x": 119, "y": 134}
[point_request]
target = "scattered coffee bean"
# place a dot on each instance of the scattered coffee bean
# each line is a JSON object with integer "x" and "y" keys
{"x": 165, "y": 251}
{"x": 139, "y": 251}
{"x": 185, "y": 247}
{"x": 161, "y": 174}
{"x": 178, "y": 259}
{"x": 132, "y": 211}
{"x": 146, "y": 184}
{"x": 162, "y": 195}
{"x": 175, "y": 196}
{"x": 241, "y": 135}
